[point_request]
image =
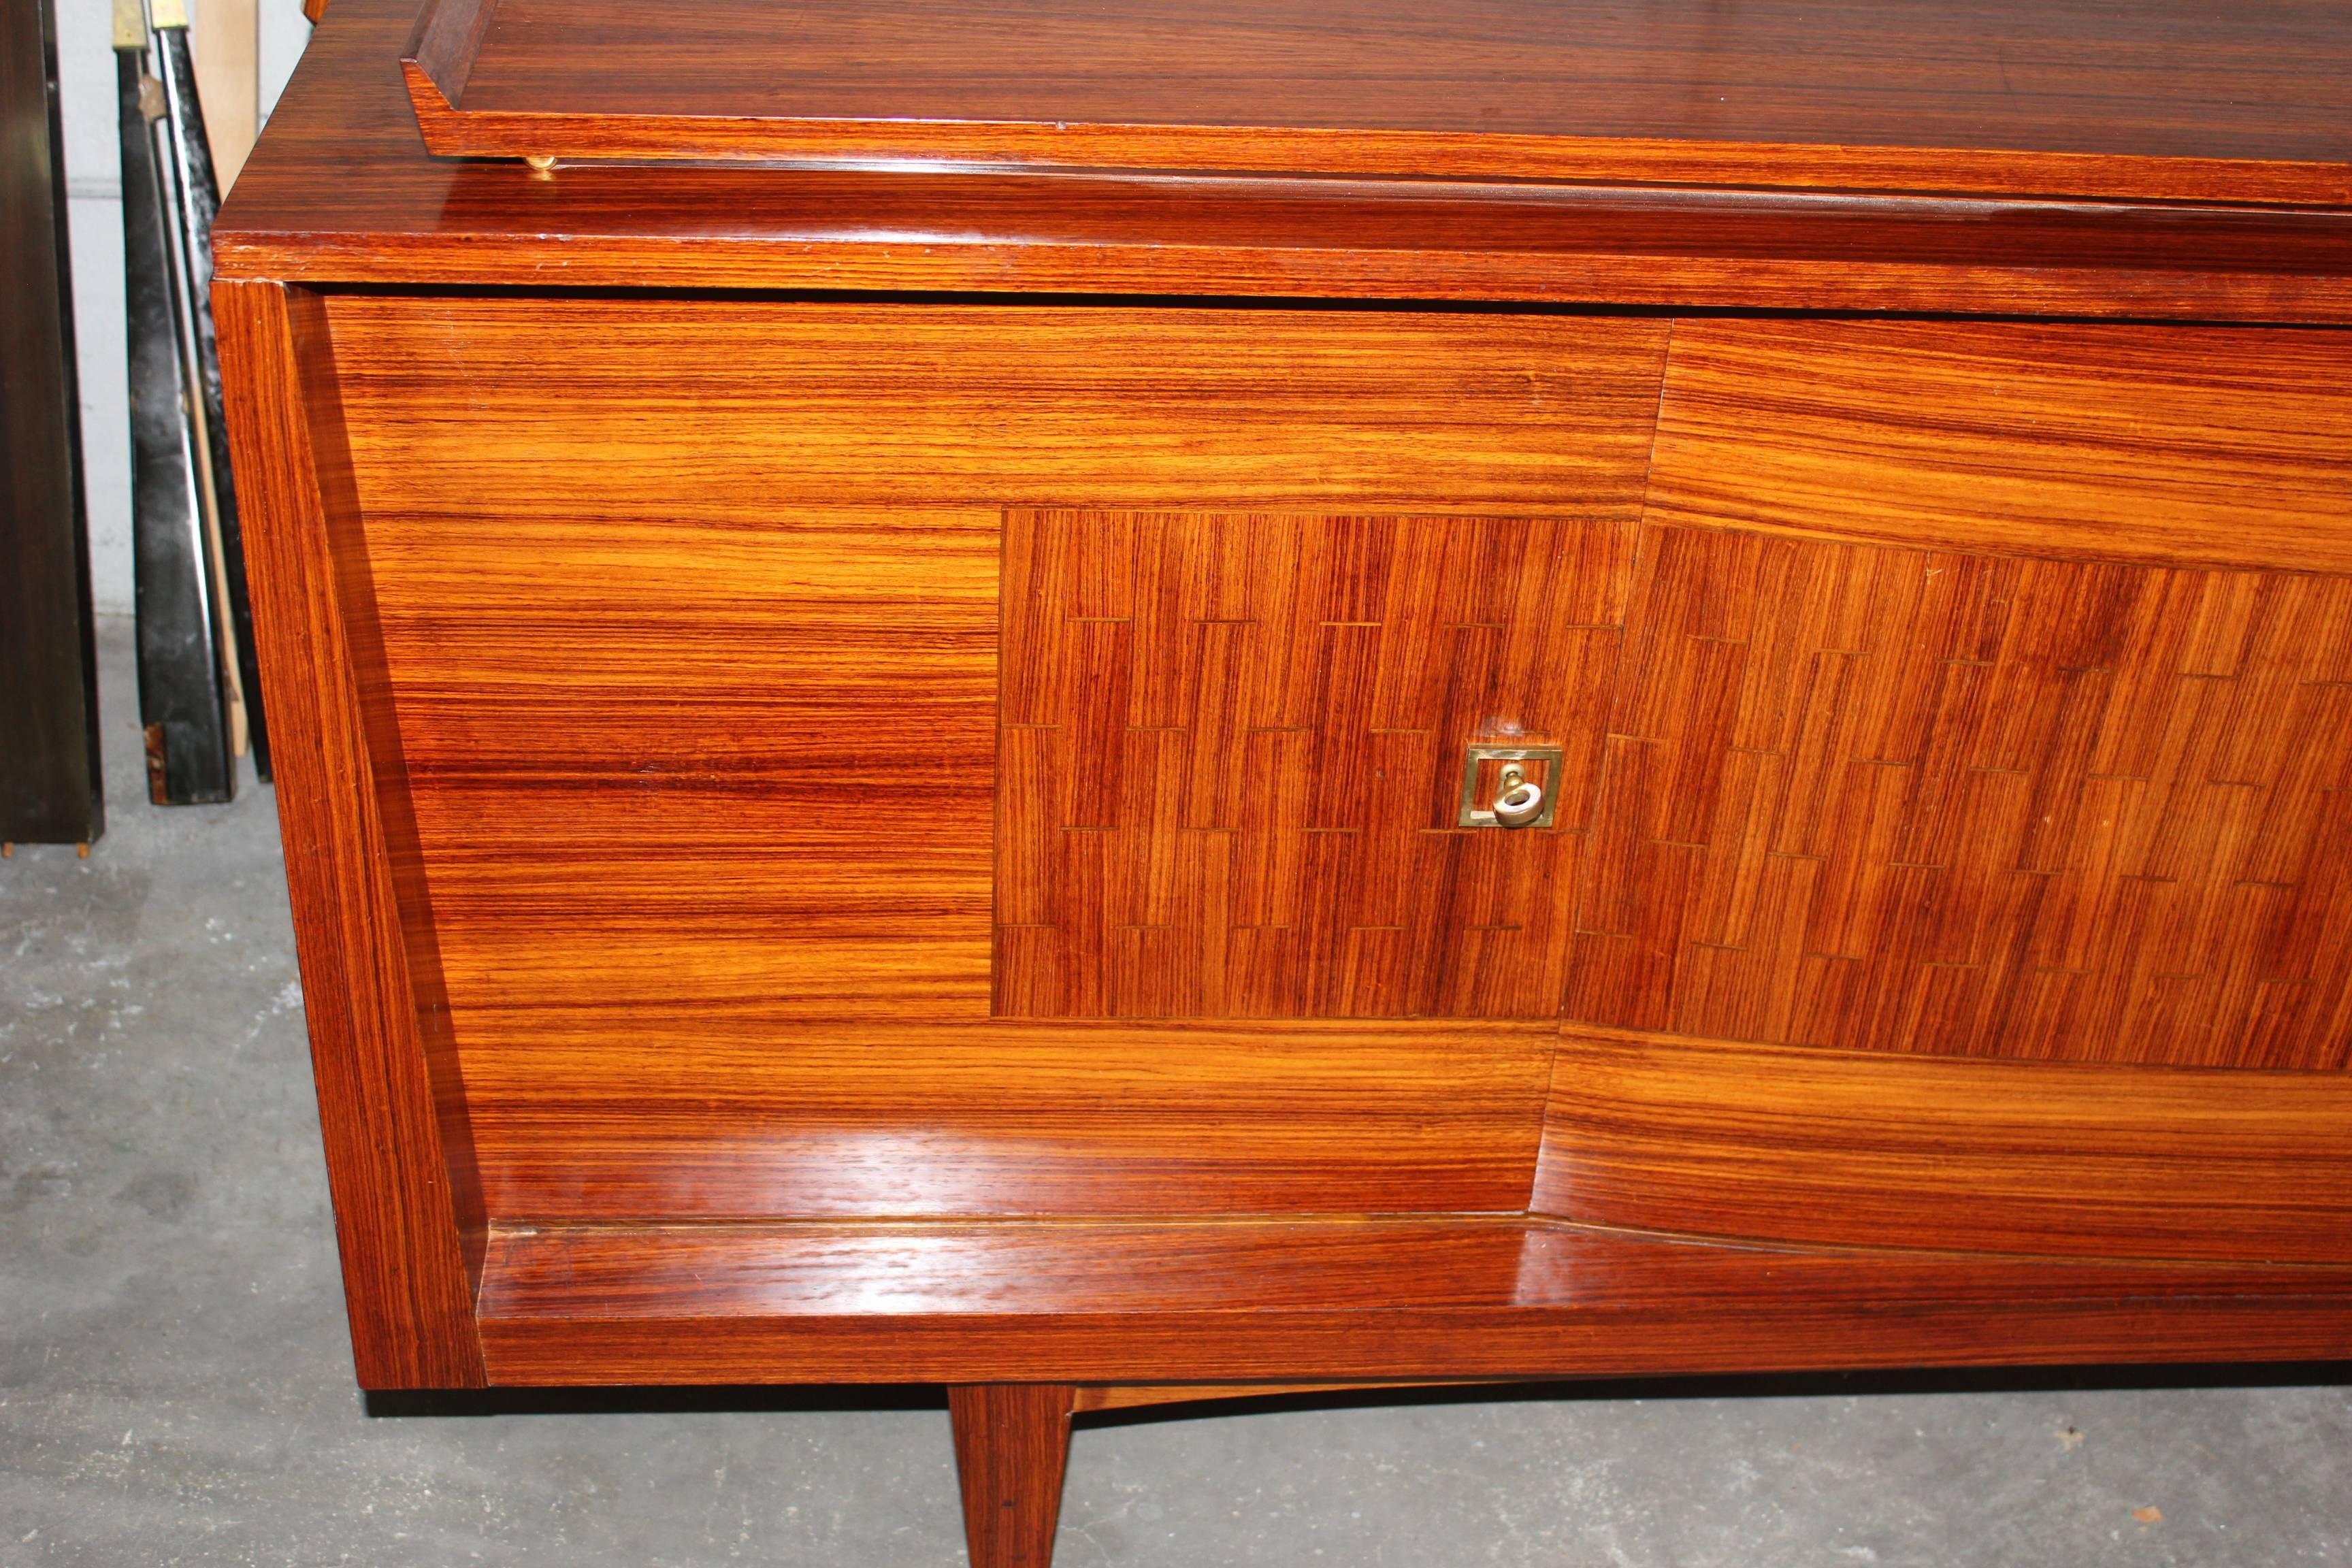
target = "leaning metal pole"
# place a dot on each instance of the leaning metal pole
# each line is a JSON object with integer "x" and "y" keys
{"x": 199, "y": 191}
{"x": 182, "y": 703}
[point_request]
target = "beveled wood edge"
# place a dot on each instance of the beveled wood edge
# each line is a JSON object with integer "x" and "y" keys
{"x": 1015, "y": 268}
{"x": 1095, "y": 1397}
{"x": 426, "y": 995}
{"x": 1873, "y": 535}
{"x": 1611, "y": 1035}
{"x": 448, "y": 34}
{"x": 451, "y": 131}
{"x": 1599, "y": 1303}
{"x": 408, "y": 1222}
{"x": 1978, "y": 1156}
{"x": 441, "y": 51}
{"x": 1489, "y": 1345}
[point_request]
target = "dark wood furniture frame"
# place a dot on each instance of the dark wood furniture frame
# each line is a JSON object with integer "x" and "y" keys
{"x": 1870, "y": 554}
{"x": 50, "y": 787}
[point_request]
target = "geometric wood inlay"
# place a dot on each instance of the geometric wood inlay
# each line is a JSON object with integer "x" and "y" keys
{"x": 1916, "y": 800}
{"x": 1232, "y": 752}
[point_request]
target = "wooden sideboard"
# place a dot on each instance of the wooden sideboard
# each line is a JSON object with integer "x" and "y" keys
{"x": 876, "y": 680}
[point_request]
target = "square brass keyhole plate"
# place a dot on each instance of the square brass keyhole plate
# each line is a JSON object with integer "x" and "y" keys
{"x": 1482, "y": 781}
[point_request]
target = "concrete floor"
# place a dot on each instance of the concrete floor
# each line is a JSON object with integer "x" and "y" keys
{"x": 175, "y": 1385}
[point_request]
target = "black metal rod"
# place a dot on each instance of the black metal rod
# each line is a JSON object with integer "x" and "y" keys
{"x": 180, "y": 701}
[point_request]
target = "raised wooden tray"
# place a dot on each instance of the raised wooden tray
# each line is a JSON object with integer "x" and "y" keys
{"x": 2164, "y": 99}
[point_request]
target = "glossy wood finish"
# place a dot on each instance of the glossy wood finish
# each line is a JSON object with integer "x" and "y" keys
{"x": 442, "y": 51}
{"x": 2157, "y": 446}
{"x": 1232, "y": 746}
{"x": 528, "y": 588}
{"x": 343, "y": 189}
{"x": 554, "y": 577}
{"x": 1338, "y": 1300}
{"x": 725, "y": 1112}
{"x": 1946, "y": 800}
{"x": 1855, "y": 1149}
{"x": 399, "y": 1152}
{"x": 922, "y": 409}
{"x": 1012, "y": 1442}
{"x": 602, "y": 823}
{"x": 1964, "y": 692}
{"x": 1935, "y": 801}
{"x": 2167, "y": 99}
{"x": 708, "y": 1012}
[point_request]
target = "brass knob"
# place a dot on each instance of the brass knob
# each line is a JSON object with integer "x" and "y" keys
{"x": 1520, "y": 800}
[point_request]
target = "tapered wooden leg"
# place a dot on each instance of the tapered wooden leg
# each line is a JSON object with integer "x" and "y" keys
{"x": 1013, "y": 1440}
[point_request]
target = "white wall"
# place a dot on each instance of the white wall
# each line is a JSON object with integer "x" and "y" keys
{"x": 93, "y": 184}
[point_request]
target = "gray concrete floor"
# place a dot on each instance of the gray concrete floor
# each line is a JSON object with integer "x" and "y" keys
{"x": 175, "y": 1385}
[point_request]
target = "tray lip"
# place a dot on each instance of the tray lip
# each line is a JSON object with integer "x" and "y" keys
{"x": 448, "y": 34}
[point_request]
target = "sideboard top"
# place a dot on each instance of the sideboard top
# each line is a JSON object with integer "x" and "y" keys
{"x": 2153, "y": 99}
{"x": 343, "y": 190}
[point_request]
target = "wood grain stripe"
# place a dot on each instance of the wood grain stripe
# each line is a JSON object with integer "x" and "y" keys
{"x": 1854, "y": 1148}
{"x": 399, "y": 1149}
{"x": 1342, "y": 1299}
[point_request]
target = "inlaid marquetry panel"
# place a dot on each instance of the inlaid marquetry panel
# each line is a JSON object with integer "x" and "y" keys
{"x": 1232, "y": 755}
{"x": 1923, "y": 800}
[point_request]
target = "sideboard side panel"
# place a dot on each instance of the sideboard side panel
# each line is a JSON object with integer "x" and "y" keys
{"x": 399, "y": 1153}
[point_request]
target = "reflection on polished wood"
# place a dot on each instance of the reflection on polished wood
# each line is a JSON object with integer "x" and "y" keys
{"x": 2165, "y": 98}
{"x": 1845, "y": 1148}
{"x": 341, "y": 190}
{"x": 1093, "y": 1398}
{"x": 399, "y": 1149}
{"x": 1942, "y": 799}
{"x": 599, "y": 1113}
{"x": 869, "y": 755}
{"x": 1334, "y": 1301}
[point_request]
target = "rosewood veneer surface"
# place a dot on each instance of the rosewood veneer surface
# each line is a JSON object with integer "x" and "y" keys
{"x": 346, "y": 193}
{"x": 870, "y": 752}
{"x": 2170, "y": 98}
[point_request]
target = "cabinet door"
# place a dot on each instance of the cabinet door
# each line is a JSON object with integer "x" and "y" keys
{"x": 770, "y": 868}
{"x": 1973, "y": 818}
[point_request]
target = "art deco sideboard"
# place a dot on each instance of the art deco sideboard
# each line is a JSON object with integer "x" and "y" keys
{"x": 1130, "y": 702}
